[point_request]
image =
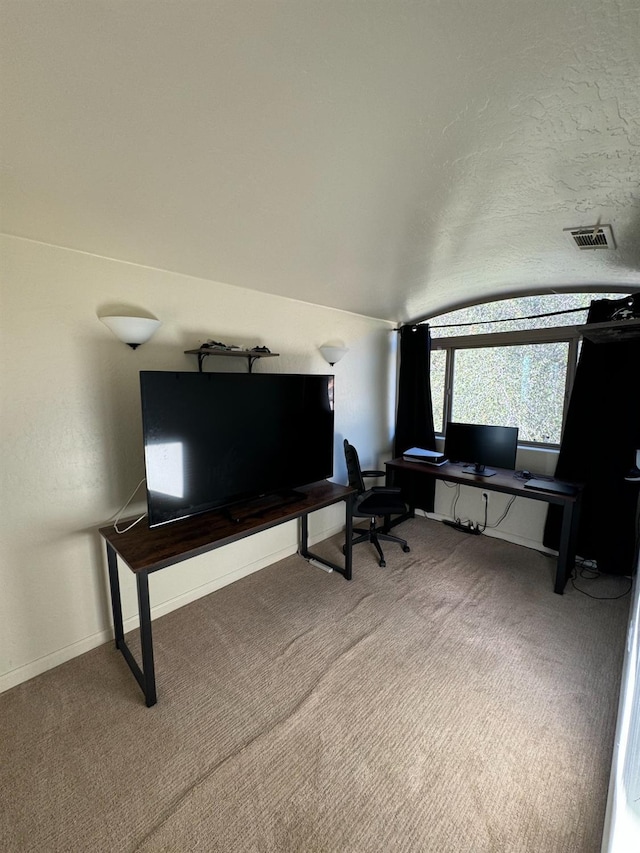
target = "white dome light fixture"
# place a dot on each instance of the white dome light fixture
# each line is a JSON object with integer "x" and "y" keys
{"x": 332, "y": 353}
{"x": 132, "y": 331}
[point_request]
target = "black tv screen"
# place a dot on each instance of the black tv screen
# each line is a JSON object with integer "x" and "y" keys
{"x": 481, "y": 445}
{"x": 216, "y": 439}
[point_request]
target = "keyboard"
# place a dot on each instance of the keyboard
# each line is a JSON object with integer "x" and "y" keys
{"x": 555, "y": 486}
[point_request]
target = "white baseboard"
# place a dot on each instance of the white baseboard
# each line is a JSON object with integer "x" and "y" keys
{"x": 30, "y": 670}
{"x": 534, "y": 544}
{"x": 34, "y": 668}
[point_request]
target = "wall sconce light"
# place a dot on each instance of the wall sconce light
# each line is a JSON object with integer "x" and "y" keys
{"x": 332, "y": 353}
{"x": 131, "y": 330}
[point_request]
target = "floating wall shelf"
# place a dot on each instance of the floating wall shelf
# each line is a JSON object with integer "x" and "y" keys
{"x": 615, "y": 331}
{"x": 249, "y": 354}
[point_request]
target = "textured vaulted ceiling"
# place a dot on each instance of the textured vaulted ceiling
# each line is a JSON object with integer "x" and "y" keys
{"x": 387, "y": 157}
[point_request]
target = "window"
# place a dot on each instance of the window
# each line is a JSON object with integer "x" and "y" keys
{"x": 438, "y": 364}
{"x": 496, "y": 370}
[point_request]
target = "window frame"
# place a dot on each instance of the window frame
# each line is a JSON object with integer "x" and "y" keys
{"x": 559, "y": 334}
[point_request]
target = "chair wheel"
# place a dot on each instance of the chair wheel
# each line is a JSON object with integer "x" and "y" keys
{"x": 406, "y": 549}
{"x": 382, "y": 564}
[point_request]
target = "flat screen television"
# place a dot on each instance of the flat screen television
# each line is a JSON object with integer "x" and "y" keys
{"x": 480, "y": 445}
{"x": 213, "y": 440}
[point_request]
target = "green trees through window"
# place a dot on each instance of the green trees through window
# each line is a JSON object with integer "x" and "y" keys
{"x": 513, "y": 372}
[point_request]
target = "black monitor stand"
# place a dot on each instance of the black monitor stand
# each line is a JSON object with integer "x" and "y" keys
{"x": 479, "y": 470}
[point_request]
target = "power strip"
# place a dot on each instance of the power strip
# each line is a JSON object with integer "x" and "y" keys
{"x": 319, "y": 565}
{"x": 463, "y": 528}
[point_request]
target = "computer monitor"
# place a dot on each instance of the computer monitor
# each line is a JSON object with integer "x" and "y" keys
{"x": 481, "y": 445}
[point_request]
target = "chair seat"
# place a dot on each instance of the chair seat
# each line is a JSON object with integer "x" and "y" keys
{"x": 379, "y": 502}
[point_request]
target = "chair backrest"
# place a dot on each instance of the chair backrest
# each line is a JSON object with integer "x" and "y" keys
{"x": 354, "y": 472}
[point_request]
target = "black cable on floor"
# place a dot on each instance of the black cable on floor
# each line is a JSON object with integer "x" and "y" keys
{"x": 596, "y": 574}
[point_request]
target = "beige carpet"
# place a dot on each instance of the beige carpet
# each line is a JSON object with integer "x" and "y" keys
{"x": 450, "y": 702}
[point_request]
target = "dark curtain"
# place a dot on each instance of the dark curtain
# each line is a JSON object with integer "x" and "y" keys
{"x": 414, "y": 417}
{"x": 601, "y": 435}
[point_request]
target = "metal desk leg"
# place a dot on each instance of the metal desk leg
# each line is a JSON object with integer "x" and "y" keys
{"x": 567, "y": 549}
{"x": 116, "y": 602}
{"x": 348, "y": 555}
{"x": 146, "y": 640}
{"x": 304, "y": 551}
{"x": 146, "y": 676}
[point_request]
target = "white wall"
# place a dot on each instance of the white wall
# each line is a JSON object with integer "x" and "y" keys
{"x": 71, "y": 435}
{"x": 525, "y": 520}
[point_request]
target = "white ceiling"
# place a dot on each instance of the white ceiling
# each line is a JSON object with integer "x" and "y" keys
{"x": 387, "y": 157}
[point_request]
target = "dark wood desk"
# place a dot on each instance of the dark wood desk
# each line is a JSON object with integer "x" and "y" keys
{"x": 505, "y": 482}
{"x": 146, "y": 550}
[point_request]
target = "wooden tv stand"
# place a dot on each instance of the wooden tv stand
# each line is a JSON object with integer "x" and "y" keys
{"x": 146, "y": 550}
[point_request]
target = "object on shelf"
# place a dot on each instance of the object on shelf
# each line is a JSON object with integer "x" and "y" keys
{"x": 213, "y": 345}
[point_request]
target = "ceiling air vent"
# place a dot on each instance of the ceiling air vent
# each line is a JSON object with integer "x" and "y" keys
{"x": 596, "y": 237}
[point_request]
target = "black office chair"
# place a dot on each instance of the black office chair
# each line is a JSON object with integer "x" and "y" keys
{"x": 372, "y": 503}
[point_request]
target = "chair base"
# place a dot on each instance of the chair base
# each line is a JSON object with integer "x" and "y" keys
{"x": 374, "y": 534}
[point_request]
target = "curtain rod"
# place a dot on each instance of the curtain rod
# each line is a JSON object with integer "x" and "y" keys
{"x": 505, "y": 320}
